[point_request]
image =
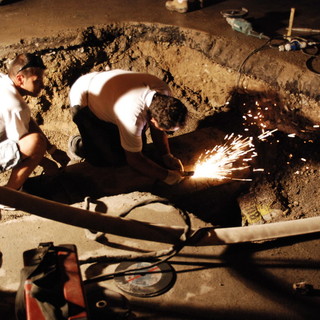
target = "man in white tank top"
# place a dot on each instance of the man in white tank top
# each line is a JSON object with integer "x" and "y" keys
{"x": 112, "y": 110}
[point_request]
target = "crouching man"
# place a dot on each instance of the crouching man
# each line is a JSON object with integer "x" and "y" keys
{"x": 22, "y": 143}
{"x": 112, "y": 110}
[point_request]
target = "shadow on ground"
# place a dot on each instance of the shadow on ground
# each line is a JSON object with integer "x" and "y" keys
{"x": 211, "y": 200}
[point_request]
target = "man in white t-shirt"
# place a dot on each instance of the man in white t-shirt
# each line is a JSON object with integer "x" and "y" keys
{"x": 112, "y": 110}
{"x": 22, "y": 143}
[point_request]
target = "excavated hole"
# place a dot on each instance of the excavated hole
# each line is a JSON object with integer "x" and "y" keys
{"x": 291, "y": 177}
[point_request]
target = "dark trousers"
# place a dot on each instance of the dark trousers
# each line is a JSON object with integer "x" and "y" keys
{"x": 100, "y": 139}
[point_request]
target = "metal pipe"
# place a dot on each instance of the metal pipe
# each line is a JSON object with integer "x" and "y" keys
{"x": 153, "y": 232}
{"x": 292, "y": 12}
{"x": 88, "y": 219}
{"x": 269, "y": 231}
{"x": 305, "y": 30}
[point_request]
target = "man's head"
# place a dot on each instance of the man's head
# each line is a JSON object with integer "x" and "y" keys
{"x": 167, "y": 113}
{"x": 26, "y": 71}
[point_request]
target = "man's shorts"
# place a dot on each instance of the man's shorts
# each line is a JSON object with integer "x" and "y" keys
{"x": 9, "y": 155}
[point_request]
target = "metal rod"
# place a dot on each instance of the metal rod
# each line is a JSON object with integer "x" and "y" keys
{"x": 304, "y": 30}
{"x": 153, "y": 232}
{"x": 290, "y": 23}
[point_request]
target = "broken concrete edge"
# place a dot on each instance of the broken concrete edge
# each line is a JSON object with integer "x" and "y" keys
{"x": 211, "y": 57}
{"x": 281, "y": 70}
{"x": 114, "y": 47}
{"x": 153, "y": 232}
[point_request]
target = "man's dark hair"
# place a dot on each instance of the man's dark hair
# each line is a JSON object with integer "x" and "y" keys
{"x": 168, "y": 111}
{"x": 24, "y": 63}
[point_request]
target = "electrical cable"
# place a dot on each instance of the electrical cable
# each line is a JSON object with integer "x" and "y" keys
{"x": 247, "y": 58}
{"x": 310, "y": 64}
{"x": 150, "y": 256}
{"x": 308, "y": 53}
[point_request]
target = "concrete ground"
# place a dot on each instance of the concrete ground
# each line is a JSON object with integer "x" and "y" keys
{"x": 244, "y": 281}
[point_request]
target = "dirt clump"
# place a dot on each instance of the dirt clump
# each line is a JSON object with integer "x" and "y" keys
{"x": 204, "y": 73}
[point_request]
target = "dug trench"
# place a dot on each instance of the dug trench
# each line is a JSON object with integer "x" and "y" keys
{"x": 224, "y": 96}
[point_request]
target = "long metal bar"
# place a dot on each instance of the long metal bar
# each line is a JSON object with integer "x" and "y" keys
{"x": 153, "y": 232}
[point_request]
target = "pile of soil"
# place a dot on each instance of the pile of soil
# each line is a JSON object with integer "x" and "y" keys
{"x": 209, "y": 84}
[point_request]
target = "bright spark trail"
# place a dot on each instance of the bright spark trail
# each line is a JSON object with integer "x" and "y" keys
{"x": 220, "y": 162}
{"x": 236, "y": 153}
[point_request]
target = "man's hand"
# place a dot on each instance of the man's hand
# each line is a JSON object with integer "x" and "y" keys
{"x": 171, "y": 162}
{"x": 61, "y": 157}
{"x": 173, "y": 177}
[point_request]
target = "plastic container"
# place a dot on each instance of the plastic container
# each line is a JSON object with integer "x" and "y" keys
{"x": 293, "y": 46}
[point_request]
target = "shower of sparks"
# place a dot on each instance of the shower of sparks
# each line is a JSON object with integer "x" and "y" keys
{"x": 236, "y": 153}
{"x": 256, "y": 116}
{"x": 266, "y": 134}
{"x": 220, "y": 162}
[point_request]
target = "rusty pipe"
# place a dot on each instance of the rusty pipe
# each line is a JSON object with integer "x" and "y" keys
{"x": 153, "y": 232}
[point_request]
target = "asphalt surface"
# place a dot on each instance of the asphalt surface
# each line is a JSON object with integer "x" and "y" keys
{"x": 22, "y": 19}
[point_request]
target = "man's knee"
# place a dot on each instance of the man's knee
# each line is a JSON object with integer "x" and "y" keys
{"x": 33, "y": 143}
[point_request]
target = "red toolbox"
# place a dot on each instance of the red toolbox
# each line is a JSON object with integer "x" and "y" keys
{"x": 54, "y": 288}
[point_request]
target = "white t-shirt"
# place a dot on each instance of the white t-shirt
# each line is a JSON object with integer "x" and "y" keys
{"x": 120, "y": 97}
{"x": 15, "y": 114}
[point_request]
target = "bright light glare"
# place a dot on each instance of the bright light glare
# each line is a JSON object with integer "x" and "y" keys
{"x": 220, "y": 162}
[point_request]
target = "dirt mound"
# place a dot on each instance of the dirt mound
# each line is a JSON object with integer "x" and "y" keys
{"x": 219, "y": 90}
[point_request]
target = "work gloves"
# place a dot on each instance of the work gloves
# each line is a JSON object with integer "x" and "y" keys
{"x": 173, "y": 177}
{"x": 176, "y": 169}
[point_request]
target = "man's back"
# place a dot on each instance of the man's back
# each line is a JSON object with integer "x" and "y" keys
{"x": 119, "y": 97}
